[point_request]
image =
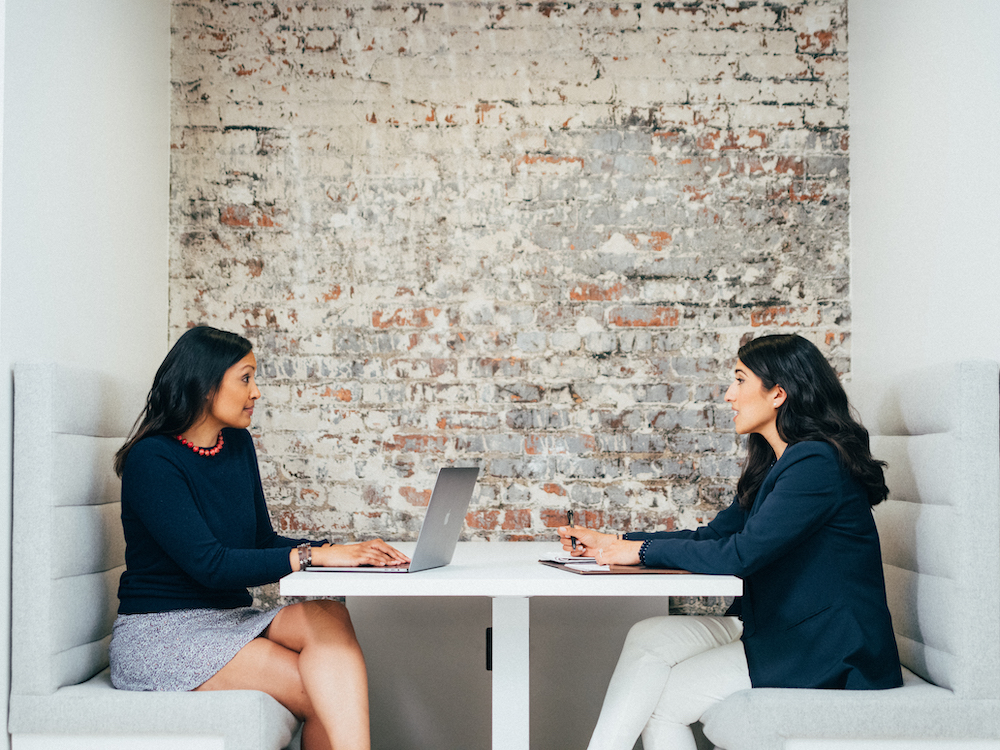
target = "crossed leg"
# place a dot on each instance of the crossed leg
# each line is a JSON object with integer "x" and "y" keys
{"x": 308, "y": 660}
{"x": 694, "y": 685}
{"x": 654, "y": 651}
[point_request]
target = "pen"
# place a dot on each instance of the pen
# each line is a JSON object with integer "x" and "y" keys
{"x": 569, "y": 517}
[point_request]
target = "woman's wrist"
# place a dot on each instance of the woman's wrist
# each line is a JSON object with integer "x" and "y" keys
{"x": 297, "y": 555}
{"x": 643, "y": 548}
{"x": 305, "y": 555}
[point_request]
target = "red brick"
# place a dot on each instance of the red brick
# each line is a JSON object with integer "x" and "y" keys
{"x": 516, "y": 519}
{"x": 817, "y": 42}
{"x": 419, "y": 498}
{"x": 694, "y": 194}
{"x": 530, "y": 160}
{"x": 402, "y": 318}
{"x": 341, "y": 394}
{"x": 331, "y": 294}
{"x": 659, "y": 240}
{"x": 486, "y": 520}
{"x": 790, "y": 165}
{"x": 591, "y": 291}
{"x": 288, "y": 521}
{"x": 553, "y": 517}
{"x": 247, "y": 216}
{"x": 644, "y": 316}
{"x": 783, "y": 315}
{"x": 376, "y": 497}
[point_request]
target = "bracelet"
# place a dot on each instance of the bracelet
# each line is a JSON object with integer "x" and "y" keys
{"x": 642, "y": 551}
{"x": 305, "y": 555}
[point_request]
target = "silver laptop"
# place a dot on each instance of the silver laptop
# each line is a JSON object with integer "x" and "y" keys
{"x": 442, "y": 524}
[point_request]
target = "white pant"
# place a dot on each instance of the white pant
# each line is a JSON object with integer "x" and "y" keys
{"x": 671, "y": 670}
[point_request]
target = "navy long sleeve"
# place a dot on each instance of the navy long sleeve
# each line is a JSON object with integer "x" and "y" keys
{"x": 806, "y": 491}
{"x": 197, "y": 531}
{"x": 814, "y": 604}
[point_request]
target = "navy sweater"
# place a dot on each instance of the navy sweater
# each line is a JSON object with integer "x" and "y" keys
{"x": 814, "y": 604}
{"x": 197, "y": 532}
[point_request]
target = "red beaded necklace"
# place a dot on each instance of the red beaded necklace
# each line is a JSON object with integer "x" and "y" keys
{"x": 203, "y": 451}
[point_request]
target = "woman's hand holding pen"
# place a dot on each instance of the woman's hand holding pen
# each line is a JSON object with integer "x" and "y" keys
{"x": 606, "y": 549}
{"x": 374, "y": 552}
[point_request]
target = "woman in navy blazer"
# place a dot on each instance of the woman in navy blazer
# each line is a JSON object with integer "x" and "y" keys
{"x": 800, "y": 534}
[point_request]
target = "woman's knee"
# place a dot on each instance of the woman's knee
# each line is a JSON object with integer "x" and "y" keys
{"x": 646, "y": 632}
{"x": 332, "y": 614}
{"x": 674, "y": 638}
{"x": 325, "y": 609}
{"x": 660, "y": 734}
{"x": 657, "y": 633}
{"x": 269, "y": 667}
{"x": 702, "y": 681}
{"x": 316, "y": 620}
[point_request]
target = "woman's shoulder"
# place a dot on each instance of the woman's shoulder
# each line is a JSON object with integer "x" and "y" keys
{"x": 810, "y": 448}
{"x": 815, "y": 453}
{"x": 149, "y": 455}
{"x": 152, "y": 446}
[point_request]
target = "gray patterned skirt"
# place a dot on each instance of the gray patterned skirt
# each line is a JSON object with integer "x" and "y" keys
{"x": 181, "y": 649}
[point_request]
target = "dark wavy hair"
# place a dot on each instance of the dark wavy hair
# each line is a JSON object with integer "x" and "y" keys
{"x": 816, "y": 408}
{"x": 188, "y": 377}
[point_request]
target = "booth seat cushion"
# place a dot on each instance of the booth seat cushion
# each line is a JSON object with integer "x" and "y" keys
{"x": 246, "y": 718}
{"x": 66, "y": 494}
{"x": 763, "y": 718}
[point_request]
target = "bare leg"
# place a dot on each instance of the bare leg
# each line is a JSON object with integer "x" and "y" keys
{"x": 310, "y": 662}
{"x": 331, "y": 667}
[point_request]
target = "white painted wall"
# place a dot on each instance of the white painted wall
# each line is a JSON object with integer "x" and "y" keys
{"x": 86, "y": 179}
{"x": 84, "y": 211}
{"x": 925, "y": 182}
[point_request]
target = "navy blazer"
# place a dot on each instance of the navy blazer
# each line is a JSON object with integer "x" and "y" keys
{"x": 813, "y": 606}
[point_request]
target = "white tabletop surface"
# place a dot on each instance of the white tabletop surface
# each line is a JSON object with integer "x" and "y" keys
{"x": 503, "y": 569}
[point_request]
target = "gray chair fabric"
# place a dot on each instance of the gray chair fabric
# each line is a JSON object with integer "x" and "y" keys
{"x": 939, "y": 429}
{"x": 68, "y": 554}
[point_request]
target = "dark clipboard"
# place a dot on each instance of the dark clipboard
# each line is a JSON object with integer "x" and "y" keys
{"x": 625, "y": 570}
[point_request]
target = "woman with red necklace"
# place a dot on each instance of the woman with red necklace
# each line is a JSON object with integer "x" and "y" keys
{"x": 197, "y": 534}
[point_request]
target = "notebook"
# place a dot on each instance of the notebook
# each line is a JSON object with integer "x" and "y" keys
{"x": 588, "y": 566}
{"x": 442, "y": 524}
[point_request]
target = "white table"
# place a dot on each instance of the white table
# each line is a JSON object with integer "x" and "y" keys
{"x": 509, "y": 573}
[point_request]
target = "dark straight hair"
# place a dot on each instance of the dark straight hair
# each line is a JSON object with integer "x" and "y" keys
{"x": 816, "y": 408}
{"x": 188, "y": 377}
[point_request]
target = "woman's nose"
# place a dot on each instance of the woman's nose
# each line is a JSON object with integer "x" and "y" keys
{"x": 730, "y": 396}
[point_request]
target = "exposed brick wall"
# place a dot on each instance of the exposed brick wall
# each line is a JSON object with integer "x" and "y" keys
{"x": 529, "y": 236}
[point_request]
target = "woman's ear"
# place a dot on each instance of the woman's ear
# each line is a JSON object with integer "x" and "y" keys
{"x": 778, "y": 396}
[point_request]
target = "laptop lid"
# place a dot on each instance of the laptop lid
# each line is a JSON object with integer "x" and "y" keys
{"x": 442, "y": 524}
{"x": 445, "y": 517}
